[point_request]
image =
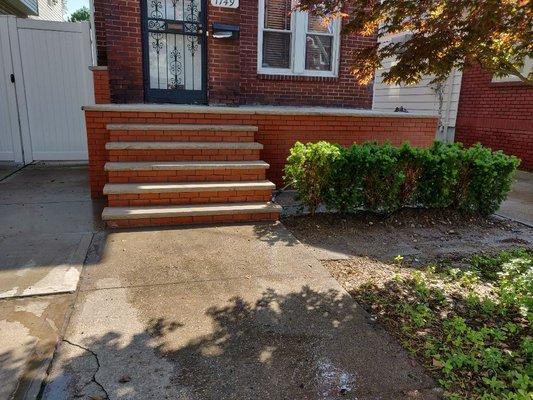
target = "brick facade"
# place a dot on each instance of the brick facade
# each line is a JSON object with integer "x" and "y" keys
{"x": 276, "y": 132}
{"x": 232, "y": 64}
{"x": 233, "y": 76}
{"x": 498, "y": 115}
{"x": 100, "y": 27}
{"x": 101, "y": 85}
{"x": 118, "y": 38}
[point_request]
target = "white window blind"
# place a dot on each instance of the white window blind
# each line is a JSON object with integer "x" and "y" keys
{"x": 295, "y": 43}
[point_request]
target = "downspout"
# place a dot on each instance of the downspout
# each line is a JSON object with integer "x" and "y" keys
{"x": 93, "y": 34}
{"x": 449, "y": 86}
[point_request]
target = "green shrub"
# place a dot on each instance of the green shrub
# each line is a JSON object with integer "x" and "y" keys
{"x": 312, "y": 168}
{"x": 384, "y": 178}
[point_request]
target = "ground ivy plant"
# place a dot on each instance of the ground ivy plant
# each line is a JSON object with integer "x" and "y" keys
{"x": 471, "y": 327}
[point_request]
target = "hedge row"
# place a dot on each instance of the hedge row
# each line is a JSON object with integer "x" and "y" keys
{"x": 383, "y": 178}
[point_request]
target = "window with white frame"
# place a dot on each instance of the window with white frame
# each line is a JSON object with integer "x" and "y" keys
{"x": 296, "y": 43}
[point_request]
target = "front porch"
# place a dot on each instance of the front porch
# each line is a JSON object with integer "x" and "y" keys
{"x": 168, "y": 164}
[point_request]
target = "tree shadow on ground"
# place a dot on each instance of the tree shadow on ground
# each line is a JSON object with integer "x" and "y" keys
{"x": 301, "y": 345}
{"x": 273, "y": 233}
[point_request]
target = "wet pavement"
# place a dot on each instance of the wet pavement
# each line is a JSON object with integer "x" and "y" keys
{"x": 223, "y": 312}
{"x": 47, "y": 221}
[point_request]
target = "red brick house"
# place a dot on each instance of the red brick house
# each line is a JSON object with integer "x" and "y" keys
{"x": 199, "y": 103}
{"x": 262, "y": 64}
{"x": 497, "y": 113}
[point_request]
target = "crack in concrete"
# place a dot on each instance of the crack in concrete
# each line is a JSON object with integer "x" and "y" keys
{"x": 93, "y": 378}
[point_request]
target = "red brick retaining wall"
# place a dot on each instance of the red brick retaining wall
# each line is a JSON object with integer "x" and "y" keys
{"x": 498, "y": 115}
{"x": 277, "y": 133}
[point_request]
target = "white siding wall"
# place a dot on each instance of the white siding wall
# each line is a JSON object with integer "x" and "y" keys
{"x": 420, "y": 98}
{"x": 50, "y": 10}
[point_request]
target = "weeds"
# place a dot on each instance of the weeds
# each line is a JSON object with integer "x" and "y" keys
{"x": 470, "y": 327}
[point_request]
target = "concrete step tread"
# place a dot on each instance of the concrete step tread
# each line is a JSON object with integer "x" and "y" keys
{"x": 184, "y": 165}
{"x": 182, "y": 127}
{"x": 128, "y": 213}
{"x": 183, "y": 145}
{"x": 135, "y": 188}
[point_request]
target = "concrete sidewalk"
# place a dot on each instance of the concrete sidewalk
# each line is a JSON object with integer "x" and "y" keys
{"x": 47, "y": 221}
{"x": 519, "y": 203}
{"x": 233, "y": 312}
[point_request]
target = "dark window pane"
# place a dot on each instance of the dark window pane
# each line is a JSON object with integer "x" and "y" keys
{"x": 276, "y": 50}
{"x": 318, "y": 52}
{"x": 277, "y": 14}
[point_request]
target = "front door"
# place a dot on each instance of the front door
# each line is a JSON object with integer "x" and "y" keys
{"x": 174, "y": 51}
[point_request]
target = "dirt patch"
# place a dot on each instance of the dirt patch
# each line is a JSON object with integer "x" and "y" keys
{"x": 419, "y": 236}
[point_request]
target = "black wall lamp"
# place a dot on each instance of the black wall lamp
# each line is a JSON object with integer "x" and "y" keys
{"x": 225, "y": 31}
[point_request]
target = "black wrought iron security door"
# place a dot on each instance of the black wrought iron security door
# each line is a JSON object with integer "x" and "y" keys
{"x": 174, "y": 51}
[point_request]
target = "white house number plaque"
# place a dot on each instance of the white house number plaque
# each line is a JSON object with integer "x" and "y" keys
{"x": 225, "y": 3}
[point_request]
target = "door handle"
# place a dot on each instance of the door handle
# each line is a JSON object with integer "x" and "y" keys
{"x": 12, "y": 78}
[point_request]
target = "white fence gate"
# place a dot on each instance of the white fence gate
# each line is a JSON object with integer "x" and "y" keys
{"x": 44, "y": 81}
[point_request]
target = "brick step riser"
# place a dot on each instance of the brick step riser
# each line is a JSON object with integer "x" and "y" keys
{"x": 186, "y": 176}
{"x": 184, "y": 155}
{"x": 180, "y": 136}
{"x": 167, "y": 199}
{"x": 204, "y": 219}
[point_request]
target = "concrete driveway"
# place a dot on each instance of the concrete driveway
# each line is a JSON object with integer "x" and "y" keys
{"x": 223, "y": 312}
{"x": 47, "y": 221}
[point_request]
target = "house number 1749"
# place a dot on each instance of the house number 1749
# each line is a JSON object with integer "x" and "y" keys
{"x": 225, "y": 3}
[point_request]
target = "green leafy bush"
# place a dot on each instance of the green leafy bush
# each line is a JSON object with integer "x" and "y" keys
{"x": 384, "y": 178}
{"x": 313, "y": 166}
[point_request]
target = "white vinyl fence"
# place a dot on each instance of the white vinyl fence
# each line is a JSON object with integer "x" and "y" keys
{"x": 44, "y": 81}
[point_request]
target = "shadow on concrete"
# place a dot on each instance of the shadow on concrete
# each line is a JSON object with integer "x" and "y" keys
{"x": 301, "y": 345}
{"x": 8, "y": 168}
{"x": 266, "y": 233}
{"x": 519, "y": 204}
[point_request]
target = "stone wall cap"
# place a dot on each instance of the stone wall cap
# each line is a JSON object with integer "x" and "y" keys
{"x": 254, "y": 110}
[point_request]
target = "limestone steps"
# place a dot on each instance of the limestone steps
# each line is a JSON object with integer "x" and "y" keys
{"x": 189, "y": 214}
{"x": 157, "y": 194}
{"x": 139, "y": 188}
{"x": 180, "y": 166}
{"x": 185, "y": 171}
{"x": 181, "y": 132}
{"x": 166, "y": 174}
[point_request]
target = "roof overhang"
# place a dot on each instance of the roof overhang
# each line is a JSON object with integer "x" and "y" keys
{"x": 20, "y": 7}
